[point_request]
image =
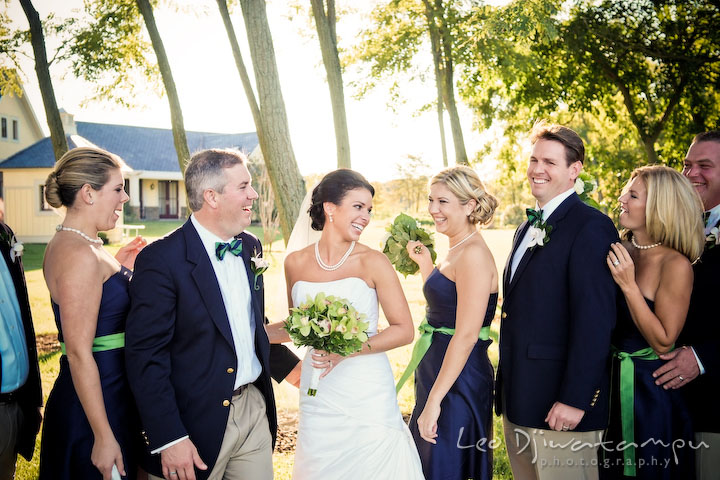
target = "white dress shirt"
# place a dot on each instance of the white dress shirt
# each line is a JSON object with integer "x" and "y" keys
{"x": 713, "y": 218}
{"x": 235, "y": 289}
{"x": 548, "y": 209}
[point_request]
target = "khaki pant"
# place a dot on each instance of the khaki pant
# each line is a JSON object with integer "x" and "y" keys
{"x": 537, "y": 454}
{"x": 707, "y": 459}
{"x": 10, "y": 418}
{"x": 246, "y": 450}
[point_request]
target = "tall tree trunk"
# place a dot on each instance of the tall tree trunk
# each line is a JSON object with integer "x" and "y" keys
{"x": 287, "y": 183}
{"x": 325, "y": 24}
{"x": 37, "y": 39}
{"x": 437, "y": 62}
{"x": 176, "y": 117}
{"x": 436, "y": 12}
{"x": 242, "y": 70}
{"x": 649, "y": 145}
{"x": 449, "y": 84}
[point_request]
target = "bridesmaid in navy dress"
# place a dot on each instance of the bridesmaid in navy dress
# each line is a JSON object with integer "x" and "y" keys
{"x": 662, "y": 215}
{"x": 91, "y": 425}
{"x": 452, "y": 419}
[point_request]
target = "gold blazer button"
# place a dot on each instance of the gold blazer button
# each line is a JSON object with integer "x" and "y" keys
{"x": 226, "y": 403}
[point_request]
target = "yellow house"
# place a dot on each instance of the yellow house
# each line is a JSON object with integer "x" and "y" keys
{"x": 19, "y": 127}
{"x": 152, "y": 176}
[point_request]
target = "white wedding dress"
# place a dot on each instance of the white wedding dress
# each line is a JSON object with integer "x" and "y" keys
{"x": 352, "y": 428}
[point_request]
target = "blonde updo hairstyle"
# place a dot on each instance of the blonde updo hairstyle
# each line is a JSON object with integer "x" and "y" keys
{"x": 673, "y": 210}
{"x": 466, "y": 185}
{"x": 78, "y": 167}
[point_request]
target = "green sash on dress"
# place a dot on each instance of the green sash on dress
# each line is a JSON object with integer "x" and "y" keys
{"x": 106, "y": 342}
{"x": 627, "y": 401}
{"x": 423, "y": 344}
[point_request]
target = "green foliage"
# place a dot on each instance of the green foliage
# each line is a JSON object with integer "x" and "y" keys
{"x": 404, "y": 229}
{"x": 645, "y": 61}
{"x": 636, "y": 80}
{"x": 111, "y": 52}
{"x": 391, "y": 44}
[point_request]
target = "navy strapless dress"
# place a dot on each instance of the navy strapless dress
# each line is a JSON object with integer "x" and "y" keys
{"x": 465, "y": 424}
{"x": 662, "y": 419}
{"x": 67, "y": 439}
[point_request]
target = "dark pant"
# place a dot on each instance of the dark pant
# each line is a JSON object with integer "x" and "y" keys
{"x": 10, "y": 420}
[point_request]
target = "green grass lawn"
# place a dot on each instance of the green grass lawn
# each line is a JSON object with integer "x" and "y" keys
{"x": 159, "y": 228}
{"x": 276, "y": 309}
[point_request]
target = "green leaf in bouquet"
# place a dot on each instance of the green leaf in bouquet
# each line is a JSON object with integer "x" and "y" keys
{"x": 421, "y": 235}
{"x": 406, "y": 222}
{"x": 320, "y": 304}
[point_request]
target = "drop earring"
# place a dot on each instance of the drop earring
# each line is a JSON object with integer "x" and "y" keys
{"x": 331, "y": 219}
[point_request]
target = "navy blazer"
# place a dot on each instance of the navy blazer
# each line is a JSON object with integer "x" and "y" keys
{"x": 179, "y": 348}
{"x": 557, "y": 318}
{"x": 30, "y": 394}
{"x": 702, "y": 332}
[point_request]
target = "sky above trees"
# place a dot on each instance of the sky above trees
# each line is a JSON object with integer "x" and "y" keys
{"x": 212, "y": 98}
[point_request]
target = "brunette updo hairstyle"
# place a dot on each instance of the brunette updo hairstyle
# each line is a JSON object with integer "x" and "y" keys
{"x": 466, "y": 185}
{"x": 333, "y": 188}
{"x": 79, "y": 166}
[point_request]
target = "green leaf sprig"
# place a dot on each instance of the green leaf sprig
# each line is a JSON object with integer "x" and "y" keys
{"x": 404, "y": 229}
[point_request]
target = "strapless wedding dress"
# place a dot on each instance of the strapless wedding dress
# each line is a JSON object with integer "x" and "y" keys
{"x": 352, "y": 428}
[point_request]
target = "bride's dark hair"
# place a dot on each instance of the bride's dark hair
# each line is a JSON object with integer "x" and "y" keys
{"x": 332, "y": 188}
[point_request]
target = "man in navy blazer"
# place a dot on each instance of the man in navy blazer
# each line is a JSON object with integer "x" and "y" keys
{"x": 20, "y": 393}
{"x": 557, "y": 317}
{"x": 696, "y": 368}
{"x": 196, "y": 349}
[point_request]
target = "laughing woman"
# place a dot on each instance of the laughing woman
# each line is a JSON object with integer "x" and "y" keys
{"x": 662, "y": 217}
{"x": 454, "y": 379}
{"x": 90, "y": 424}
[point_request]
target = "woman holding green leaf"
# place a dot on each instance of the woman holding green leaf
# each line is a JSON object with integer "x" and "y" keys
{"x": 452, "y": 419}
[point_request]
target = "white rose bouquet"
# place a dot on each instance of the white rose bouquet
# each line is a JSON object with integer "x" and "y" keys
{"x": 326, "y": 323}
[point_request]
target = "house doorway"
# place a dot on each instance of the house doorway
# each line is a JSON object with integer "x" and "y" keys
{"x": 168, "y": 198}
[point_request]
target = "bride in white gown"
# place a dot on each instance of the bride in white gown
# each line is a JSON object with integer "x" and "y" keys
{"x": 352, "y": 428}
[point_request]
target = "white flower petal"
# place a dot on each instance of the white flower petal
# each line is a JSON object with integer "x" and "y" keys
{"x": 579, "y": 186}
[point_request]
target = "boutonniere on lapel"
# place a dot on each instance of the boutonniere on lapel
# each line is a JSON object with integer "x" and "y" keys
{"x": 586, "y": 185}
{"x": 539, "y": 230}
{"x": 16, "y": 247}
{"x": 713, "y": 237}
{"x": 258, "y": 265}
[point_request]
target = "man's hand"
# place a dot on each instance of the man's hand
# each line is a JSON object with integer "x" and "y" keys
{"x": 563, "y": 417}
{"x": 681, "y": 367}
{"x": 179, "y": 461}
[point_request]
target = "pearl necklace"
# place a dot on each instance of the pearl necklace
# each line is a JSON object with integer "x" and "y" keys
{"x": 330, "y": 268}
{"x": 96, "y": 241}
{"x": 462, "y": 241}
{"x": 643, "y": 247}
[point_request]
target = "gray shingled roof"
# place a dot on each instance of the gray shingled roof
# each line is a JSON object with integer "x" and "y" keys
{"x": 142, "y": 148}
